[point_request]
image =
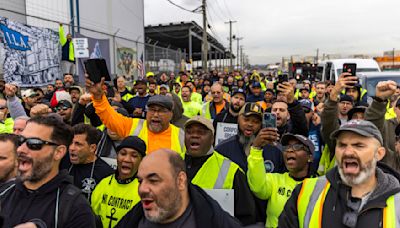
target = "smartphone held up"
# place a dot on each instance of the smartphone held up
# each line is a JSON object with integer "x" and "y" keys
{"x": 96, "y": 69}
{"x": 269, "y": 120}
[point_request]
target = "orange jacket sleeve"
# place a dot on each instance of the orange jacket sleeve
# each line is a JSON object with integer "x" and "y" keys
{"x": 112, "y": 119}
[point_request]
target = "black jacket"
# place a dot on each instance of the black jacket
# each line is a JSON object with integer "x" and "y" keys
{"x": 335, "y": 202}
{"x": 207, "y": 212}
{"x": 297, "y": 123}
{"x": 20, "y": 205}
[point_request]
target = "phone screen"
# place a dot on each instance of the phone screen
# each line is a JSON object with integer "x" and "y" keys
{"x": 350, "y": 68}
{"x": 269, "y": 120}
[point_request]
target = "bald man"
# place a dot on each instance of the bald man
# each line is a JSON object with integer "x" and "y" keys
{"x": 218, "y": 104}
{"x": 168, "y": 199}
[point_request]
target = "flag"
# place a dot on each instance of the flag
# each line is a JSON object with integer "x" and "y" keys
{"x": 141, "y": 67}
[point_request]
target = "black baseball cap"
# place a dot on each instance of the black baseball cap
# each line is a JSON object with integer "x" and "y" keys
{"x": 361, "y": 127}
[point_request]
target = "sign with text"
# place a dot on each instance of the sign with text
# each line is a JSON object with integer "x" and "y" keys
{"x": 224, "y": 131}
{"x": 81, "y": 47}
{"x": 224, "y": 197}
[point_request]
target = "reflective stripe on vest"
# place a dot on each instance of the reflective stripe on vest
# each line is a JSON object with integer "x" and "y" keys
{"x": 138, "y": 127}
{"x": 310, "y": 201}
{"x": 205, "y": 111}
{"x": 391, "y": 213}
{"x": 223, "y": 172}
{"x": 310, "y": 204}
{"x": 141, "y": 131}
{"x": 217, "y": 172}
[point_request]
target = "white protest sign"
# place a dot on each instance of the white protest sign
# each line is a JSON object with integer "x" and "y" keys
{"x": 81, "y": 47}
{"x": 225, "y": 198}
{"x": 224, "y": 131}
{"x": 111, "y": 162}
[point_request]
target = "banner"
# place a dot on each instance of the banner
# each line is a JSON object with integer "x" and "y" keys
{"x": 98, "y": 49}
{"x": 126, "y": 61}
{"x": 30, "y": 56}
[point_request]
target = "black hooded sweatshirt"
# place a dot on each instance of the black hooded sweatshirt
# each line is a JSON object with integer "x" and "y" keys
{"x": 21, "y": 205}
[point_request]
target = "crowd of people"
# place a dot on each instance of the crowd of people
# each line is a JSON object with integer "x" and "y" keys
{"x": 144, "y": 153}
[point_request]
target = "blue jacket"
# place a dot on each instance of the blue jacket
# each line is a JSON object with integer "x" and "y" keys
{"x": 233, "y": 149}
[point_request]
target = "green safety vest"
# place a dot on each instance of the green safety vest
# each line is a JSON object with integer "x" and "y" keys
{"x": 191, "y": 108}
{"x": 218, "y": 172}
{"x": 325, "y": 162}
{"x": 111, "y": 200}
{"x": 63, "y": 40}
{"x": 205, "y": 110}
{"x": 310, "y": 203}
{"x": 139, "y": 128}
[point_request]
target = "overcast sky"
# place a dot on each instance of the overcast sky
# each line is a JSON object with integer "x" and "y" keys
{"x": 276, "y": 28}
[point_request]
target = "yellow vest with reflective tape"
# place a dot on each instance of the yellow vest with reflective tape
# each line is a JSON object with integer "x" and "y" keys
{"x": 218, "y": 172}
{"x": 139, "y": 128}
{"x": 326, "y": 163}
{"x": 111, "y": 200}
{"x": 310, "y": 203}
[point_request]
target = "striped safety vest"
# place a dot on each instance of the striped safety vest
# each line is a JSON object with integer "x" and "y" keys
{"x": 310, "y": 203}
{"x": 139, "y": 128}
{"x": 218, "y": 172}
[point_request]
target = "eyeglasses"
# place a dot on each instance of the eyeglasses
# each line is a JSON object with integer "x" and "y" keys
{"x": 34, "y": 143}
{"x": 160, "y": 111}
{"x": 295, "y": 147}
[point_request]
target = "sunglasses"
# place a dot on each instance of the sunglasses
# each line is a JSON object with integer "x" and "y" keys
{"x": 295, "y": 147}
{"x": 56, "y": 109}
{"x": 34, "y": 143}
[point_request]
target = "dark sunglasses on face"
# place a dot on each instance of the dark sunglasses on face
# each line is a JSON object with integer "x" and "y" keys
{"x": 34, "y": 143}
{"x": 59, "y": 108}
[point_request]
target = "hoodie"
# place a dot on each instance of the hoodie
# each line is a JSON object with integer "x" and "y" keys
{"x": 178, "y": 119}
{"x": 21, "y": 205}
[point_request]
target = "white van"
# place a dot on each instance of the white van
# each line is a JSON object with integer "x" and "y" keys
{"x": 331, "y": 69}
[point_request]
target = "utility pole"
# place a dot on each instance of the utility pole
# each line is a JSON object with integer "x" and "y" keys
{"x": 205, "y": 43}
{"x": 393, "y": 60}
{"x": 230, "y": 42}
{"x": 241, "y": 57}
{"x": 237, "y": 50}
{"x": 316, "y": 57}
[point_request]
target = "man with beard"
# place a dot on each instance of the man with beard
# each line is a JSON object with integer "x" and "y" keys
{"x": 237, "y": 147}
{"x": 29, "y": 100}
{"x": 41, "y": 189}
{"x": 238, "y": 99}
{"x": 86, "y": 168}
{"x": 64, "y": 109}
{"x": 8, "y": 160}
{"x": 290, "y": 117}
{"x": 156, "y": 130}
{"x": 191, "y": 108}
{"x": 137, "y": 104}
{"x": 152, "y": 88}
{"x": 321, "y": 95}
{"x": 68, "y": 80}
{"x": 169, "y": 200}
{"x": 204, "y": 167}
{"x": 359, "y": 192}
{"x": 116, "y": 194}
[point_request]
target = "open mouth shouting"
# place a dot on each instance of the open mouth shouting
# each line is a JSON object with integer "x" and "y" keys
{"x": 350, "y": 165}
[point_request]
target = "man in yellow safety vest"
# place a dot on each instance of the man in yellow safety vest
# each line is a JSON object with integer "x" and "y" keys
{"x": 359, "y": 192}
